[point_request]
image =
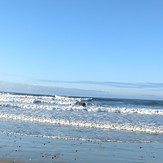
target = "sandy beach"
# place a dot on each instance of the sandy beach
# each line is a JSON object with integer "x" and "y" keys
{"x": 20, "y": 149}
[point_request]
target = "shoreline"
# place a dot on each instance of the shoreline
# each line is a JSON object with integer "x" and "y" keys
{"x": 24, "y": 149}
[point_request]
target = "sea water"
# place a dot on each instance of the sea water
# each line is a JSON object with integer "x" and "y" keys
{"x": 82, "y": 118}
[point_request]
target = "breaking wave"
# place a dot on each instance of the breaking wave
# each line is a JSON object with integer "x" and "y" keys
{"x": 90, "y": 115}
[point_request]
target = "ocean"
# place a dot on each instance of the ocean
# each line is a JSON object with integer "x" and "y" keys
{"x": 81, "y": 118}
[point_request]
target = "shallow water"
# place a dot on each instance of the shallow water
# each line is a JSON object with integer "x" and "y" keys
{"x": 78, "y": 118}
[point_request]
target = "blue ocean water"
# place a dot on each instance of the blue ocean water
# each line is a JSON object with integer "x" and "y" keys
{"x": 82, "y": 118}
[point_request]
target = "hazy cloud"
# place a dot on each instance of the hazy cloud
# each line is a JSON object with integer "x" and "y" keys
{"x": 49, "y": 90}
{"x": 110, "y": 84}
{"x": 114, "y": 89}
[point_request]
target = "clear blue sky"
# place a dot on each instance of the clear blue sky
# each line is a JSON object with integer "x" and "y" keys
{"x": 81, "y": 40}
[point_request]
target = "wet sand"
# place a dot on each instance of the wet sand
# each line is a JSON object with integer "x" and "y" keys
{"x": 24, "y": 149}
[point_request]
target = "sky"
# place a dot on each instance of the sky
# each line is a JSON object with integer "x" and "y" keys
{"x": 114, "y": 46}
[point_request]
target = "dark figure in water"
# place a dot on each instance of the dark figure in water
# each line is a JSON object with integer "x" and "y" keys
{"x": 81, "y": 104}
{"x": 84, "y": 104}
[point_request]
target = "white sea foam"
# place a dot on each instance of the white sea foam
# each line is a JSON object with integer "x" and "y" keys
{"x": 87, "y": 124}
{"x": 118, "y": 110}
{"x": 124, "y": 110}
{"x": 70, "y": 106}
